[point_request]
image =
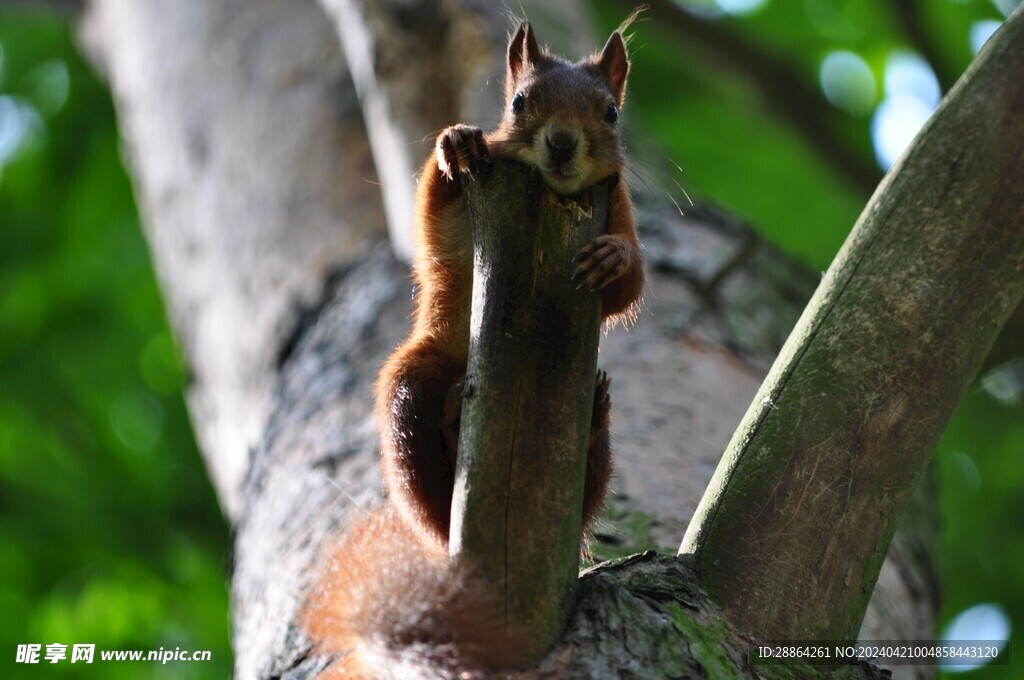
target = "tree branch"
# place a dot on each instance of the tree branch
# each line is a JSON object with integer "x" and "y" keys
{"x": 528, "y": 398}
{"x": 843, "y": 427}
{"x": 412, "y": 65}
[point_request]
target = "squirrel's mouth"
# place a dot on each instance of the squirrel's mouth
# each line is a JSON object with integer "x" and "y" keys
{"x": 563, "y": 180}
{"x": 567, "y": 178}
{"x": 566, "y": 172}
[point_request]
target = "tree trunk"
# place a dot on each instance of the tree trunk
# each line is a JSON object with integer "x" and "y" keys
{"x": 260, "y": 200}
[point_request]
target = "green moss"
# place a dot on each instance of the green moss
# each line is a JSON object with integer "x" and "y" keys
{"x": 708, "y": 640}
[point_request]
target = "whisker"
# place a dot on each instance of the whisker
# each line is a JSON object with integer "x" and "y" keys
{"x": 425, "y": 138}
{"x": 351, "y": 499}
{"x": 671, "y": 198}
{"x": 690, "y": 200}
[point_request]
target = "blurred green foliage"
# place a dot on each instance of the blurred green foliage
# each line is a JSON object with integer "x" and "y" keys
{"x": 110, "y": 531}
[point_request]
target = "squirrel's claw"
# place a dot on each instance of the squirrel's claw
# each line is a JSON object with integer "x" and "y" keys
{"x": 460, "y": 150}
{"x": 602, "y": 261}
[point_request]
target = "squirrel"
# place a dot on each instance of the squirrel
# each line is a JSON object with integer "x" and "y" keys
{"x": 389, "y": 585}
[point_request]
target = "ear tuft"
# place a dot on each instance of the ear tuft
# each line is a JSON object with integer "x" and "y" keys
{"x": 523, "y": 53}
{"x": 614, "y": 64}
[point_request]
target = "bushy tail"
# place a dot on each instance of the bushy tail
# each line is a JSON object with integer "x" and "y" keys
{"x": 392, "y": 606}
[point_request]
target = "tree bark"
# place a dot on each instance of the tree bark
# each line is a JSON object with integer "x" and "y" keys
{"x": 260, "y": 201}
{"x": 528, "y": 397}
{"x": 411, "y": 64}
{"x": 244, "y": 136}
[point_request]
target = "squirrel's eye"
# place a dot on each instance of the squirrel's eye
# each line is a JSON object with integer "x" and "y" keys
{"x": 611, "y": 114}
{"x": 518, "y": 103}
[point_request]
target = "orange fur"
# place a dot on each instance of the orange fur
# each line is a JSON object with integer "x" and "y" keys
{"x": 560, "y": 98}
{"x": 390, "y": 606}
{"x": 388, "y": 592}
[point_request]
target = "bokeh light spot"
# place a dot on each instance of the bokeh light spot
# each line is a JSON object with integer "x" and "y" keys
{"x": 137, "y": 418}
{"x": 912, "y": 93}
{"x": 896, "y": 122}
{"x": 987, "y": 622}
{"x": 1006, "y": 6}
{"x": 49, "y": 84}
{"x": 740, "y": 7}
{"x": 908, "y": 74}
{"x": 19, "y": 122}
{"x": 966, "y": 471}
{"x": 1005, "y": 383}
{"x": 981, "y": 31}
{"x": 847, "y": 82}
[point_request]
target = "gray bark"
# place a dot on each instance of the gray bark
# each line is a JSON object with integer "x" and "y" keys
{"x": 260, "y": 199}
{"x": 413, "y": 63}
{"x": 245, "y": 140}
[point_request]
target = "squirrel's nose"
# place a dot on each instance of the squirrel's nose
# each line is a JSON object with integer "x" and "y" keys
{"x": 561, "y": 145}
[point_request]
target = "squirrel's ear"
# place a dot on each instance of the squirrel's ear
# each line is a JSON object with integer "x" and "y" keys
{"x": 614, "y": 63}
{"x": 523, "y": 53}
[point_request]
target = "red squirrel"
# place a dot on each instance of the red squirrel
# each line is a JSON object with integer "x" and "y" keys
{"x": 562, "y": 119}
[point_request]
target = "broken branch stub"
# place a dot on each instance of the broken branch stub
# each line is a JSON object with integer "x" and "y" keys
{"x": 527, "y": 398}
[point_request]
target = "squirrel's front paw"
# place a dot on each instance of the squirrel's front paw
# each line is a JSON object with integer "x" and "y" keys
{"x": 460, "y": 149}
{"x": 603, "y": 260}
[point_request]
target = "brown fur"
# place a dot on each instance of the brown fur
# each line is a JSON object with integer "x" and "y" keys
{"x": 388, "y": 586}
{"x": 418, "y": 452}
{"x": 390, "y": 606}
